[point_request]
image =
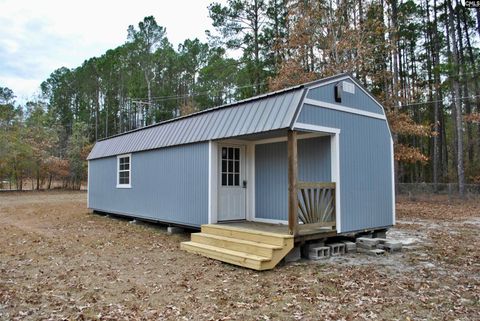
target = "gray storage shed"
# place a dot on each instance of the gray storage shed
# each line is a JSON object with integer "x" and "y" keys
{"x": 318, "y": 154}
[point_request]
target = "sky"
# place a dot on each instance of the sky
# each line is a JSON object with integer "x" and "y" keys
{"x": 39, "y": 36}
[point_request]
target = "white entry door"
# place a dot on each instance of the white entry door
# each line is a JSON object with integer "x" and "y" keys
{"x": 232, "y": 185}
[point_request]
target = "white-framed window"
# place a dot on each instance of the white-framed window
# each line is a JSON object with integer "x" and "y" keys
{"x": 124, "y": 171}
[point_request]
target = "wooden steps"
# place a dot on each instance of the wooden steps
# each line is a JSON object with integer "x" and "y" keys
{"x": 251, "y": 248}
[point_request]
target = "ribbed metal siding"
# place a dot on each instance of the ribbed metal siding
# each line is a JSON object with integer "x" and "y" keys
{"x": 271, "y": 173}
{"x": 360, "y": 100}
{"x": 169, "y": 185}
{"x": 365, "y": 166}
{"x": 264, "y": 114}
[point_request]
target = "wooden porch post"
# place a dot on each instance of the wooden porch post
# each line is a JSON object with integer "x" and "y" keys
{"x": 292, "y": 183}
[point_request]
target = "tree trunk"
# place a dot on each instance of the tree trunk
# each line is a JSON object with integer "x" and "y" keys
{"x": 149, "y": 105}
{"x": 468, "y": 107}
{"x": 457, "y": 105}
{"x": 38, "y": 179}
{"x": 395, "y": 95}
{"x": 478, "y": 20}
{"x": 473, "y": 64}
{"x": 437, "y": 147}
{"x": 256, "y": 31}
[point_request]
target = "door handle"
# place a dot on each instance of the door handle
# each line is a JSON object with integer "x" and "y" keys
{"x": 244, "y": 184}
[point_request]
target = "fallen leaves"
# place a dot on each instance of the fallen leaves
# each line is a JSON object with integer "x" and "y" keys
{"x": 58, "y": 263}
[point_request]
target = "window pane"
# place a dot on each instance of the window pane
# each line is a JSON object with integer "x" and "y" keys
{"x": 224, "y": 166}
{"x": 230, "y": 153}
{"x": 230, "y": 166}
{"x": 224, "y": 152}
{"x": 237, "y": 179}
{"x": 237, "y": 167}
{"x": 230, "y": 179}
{"x": 237, "y": 153}
{"x": 224, "y": 179}
{"x": 127, "y": 166}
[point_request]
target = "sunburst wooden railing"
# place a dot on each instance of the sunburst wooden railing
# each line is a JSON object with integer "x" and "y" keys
{"x": 316, "y": 205}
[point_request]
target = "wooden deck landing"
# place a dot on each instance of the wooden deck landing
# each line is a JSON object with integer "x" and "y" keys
{"x": 255, "y": 245}
{"x": 318, "y": 232}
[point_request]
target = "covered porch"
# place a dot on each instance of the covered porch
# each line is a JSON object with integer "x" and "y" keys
{"x": 289, "y": 182}
{"x": 260, "y": 205}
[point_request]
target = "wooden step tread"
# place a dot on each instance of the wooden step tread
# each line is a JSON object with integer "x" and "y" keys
{"x": 248, "y": 230}
{"x": 241, "y": 241}
{"x": 220, "y": 250}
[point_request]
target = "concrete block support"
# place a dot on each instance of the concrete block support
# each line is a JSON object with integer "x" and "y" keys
{"x": 294, "y": 255}
{"x": 350, "y": 247}
{"x": 337, "y": 249}
{"x": 367, "y": 243}
{"x": 307, "y": 246}
{"x": 174, "y": 230}
{"x": 392, "y": 246}
{"x": 319, "y": 253}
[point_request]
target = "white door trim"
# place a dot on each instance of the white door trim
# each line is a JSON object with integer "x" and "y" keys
{"x": 212, "y": 182}
{"x": 243, "y": 176}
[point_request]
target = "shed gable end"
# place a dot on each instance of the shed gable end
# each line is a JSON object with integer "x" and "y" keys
{"x": 352, "y": 95}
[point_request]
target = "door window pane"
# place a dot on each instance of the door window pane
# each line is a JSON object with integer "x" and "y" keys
{"x": 237, "y": 179}
{"x": 224, "y": 179}
{"x": 230, "y": 167}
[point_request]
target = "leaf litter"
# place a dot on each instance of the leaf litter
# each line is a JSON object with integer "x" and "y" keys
{"x": 58, "y": 262}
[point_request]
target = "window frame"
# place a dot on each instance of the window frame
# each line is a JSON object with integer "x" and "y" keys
{"x": 129, "y": 185}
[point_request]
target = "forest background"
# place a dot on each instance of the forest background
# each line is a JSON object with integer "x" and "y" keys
{"x": 420, "y": 58}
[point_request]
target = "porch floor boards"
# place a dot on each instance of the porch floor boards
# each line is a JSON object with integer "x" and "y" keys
{"x": 320, "y": 232}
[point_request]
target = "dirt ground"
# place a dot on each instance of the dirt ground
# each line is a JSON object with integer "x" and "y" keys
{"x": 57, "y": 262}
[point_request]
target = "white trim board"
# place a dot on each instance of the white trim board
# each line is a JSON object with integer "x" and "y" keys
{"x": 335, "y": 177}
{"x": 316, "y": 128}
{"x": 393, "y": 182}
{"x": 284, "y": 138}
{"x": 337, "y": 107}
{"x": 88, "y": 184}
{"x": 212, "y": 182}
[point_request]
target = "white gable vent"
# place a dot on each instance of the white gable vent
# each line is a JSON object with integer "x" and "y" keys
{"x": 348, "y": 87}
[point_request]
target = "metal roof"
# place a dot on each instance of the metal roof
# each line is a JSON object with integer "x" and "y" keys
{"x": 258, "y": 114}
